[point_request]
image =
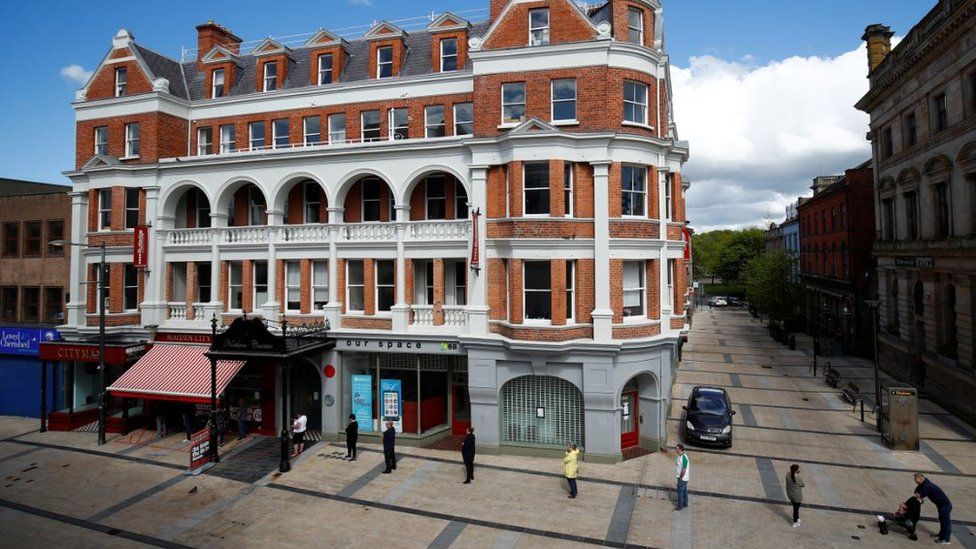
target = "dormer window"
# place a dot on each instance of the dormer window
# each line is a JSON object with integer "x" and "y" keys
{"x": 449, "y": 54}
{"x": 217, "y": 84}
{"x": 384, "y": 61}
{"x": 635, "y": 25}
{"x": 120, "y": 75}
{"x": 539, "y": 27}
{"x": 325, "y": 69}
{"x": 270, "y": 76}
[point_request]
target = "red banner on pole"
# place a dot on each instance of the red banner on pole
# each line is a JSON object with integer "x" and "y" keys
{"x": 475, "y": 250}
{"x": 200, "y": 448}
{"x": 686, "y": 234}
{"x": 140, "y": 248}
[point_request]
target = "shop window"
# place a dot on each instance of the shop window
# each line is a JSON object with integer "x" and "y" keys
{"x": 538, "y": 290}
{"x": 634, "y": 289}
{"x": 32, "y": 238}
{"x": 320, "y": 284}
{"x": 31, "y": 303}
{"x": 130, "y": 289}
{"x": 8, "y": 303}
{"x": 260, "y": 284}
{"x": 131, "y": 208}
{"x": 385, "y": 293}
{"x": 436, "y": 196}
{"x": 541, "y": 410}
{"x": 536, "y": 188}
{"x": 235, "y": 285}
{"x": 355, "y": 286}
{"x": 293, "y": 286}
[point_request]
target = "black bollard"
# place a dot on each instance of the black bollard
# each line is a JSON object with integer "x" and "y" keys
{"x": 285, "y": 464}
{"x": 792, "y": 342}
{"x": 862, "y": 410}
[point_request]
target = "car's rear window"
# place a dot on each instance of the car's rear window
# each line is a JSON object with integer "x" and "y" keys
{"x": 710, "y": 402}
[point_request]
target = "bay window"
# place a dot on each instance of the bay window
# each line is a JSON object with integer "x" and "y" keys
{"x": 635, "y": 25}
{"x": 634, "y": 289}
{"x": 538, "y": 290}
{"x": 635, "y": 102}
{"x": 633, "y": 195}
{"x": 536, "y": 188}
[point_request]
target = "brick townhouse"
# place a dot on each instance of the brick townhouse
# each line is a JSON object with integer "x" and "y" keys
{"x": 488, "y": 215}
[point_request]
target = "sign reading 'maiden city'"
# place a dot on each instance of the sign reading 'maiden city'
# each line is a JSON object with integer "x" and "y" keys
{"x": 248, "y": 334}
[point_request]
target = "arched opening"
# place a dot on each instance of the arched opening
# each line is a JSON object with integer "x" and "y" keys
{"x": 541, "y": 411}
{"x": 369, "y": 199}
{"x": 438, "y": 196}
{"x": 640, "y": 415}
{"x": 305, "y": 393}
{"x": 192, "y": 209}
{"x": 303, "y": 201}
{"x": 244, "y": 203}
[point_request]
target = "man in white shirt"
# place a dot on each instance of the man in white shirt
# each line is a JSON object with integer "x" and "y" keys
{"x": 683, "y": 466}
{"x": 298, "y": 433}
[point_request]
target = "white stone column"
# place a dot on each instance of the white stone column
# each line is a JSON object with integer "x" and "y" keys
{"x": 603, "y": 313}
{"x": 333, "y": 309}
{"x": 79, "y": 273}
{"x": 218, "y": 221}
{"x": 478, "y": 293}
{"x": 272, "y": 308}
{"x": 400, "y": 310}
{"x": 155, "y": 310}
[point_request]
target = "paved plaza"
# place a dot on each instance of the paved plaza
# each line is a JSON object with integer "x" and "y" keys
{"x": 60, "y": 488}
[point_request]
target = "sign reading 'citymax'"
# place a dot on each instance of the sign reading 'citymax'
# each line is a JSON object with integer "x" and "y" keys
{"x": 84, "y": 352}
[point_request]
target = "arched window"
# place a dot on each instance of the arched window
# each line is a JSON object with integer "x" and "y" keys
{"x": 541, "y": 410}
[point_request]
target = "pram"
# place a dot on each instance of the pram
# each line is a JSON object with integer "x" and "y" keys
{"x": 906, "y": 516}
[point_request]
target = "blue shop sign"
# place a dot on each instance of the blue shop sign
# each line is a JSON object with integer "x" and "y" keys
{"x": 24, "y": 341}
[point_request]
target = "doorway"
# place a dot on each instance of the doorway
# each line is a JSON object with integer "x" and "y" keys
{"x": 460, "y": 405}
{"x": 306, "y": 393}
{"x": 630, "y": 412}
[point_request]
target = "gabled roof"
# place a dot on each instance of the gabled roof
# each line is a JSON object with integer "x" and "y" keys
{"x": 324, "y": 38}
{"x": 448, "y": 22}
{"x": 384, "y": 30}
{"x": 220, "y": 54}
{"x": 101, "y": 160}
{"x": 270, "y": 47}
{"x": 576, "y": 7}
{"x": 533, "y": 125}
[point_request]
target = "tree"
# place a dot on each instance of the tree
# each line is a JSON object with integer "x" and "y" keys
{"x": 706, "y": 248}
{"x": 741, "y": 248}
{"x": 770, "y": 288}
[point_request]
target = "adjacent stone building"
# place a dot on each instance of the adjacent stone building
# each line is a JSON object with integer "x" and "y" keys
{"x": 922, "y": 103}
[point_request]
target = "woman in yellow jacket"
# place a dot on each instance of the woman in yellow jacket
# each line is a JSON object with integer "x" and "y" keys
{"x": 571, "y": 468}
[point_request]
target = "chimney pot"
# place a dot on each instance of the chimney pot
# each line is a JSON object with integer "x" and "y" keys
{"x": 878, "y": 38}
{"x": 211, "y": 34}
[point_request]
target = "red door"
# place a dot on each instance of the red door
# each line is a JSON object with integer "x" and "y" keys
{"x": 629, "y": 422}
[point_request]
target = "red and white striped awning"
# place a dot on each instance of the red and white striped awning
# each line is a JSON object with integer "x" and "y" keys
{"x": 174, "y": 372}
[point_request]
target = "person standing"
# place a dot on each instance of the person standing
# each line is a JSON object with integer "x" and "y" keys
{"x": 221, "y": 425}
{"x": 352, "y": 436}
{"x": 241, "y": 419}
{"x": 684, "y": 472}
{"x": 389, "y": 447}
{"x": 794, "y": 491}
{"x": 298, "y": 433}
{"x": 927, "y": 489}
{"x": 571, "y": 468}
{"x": 188, "y": 425}
{"x": 467, "y": 454}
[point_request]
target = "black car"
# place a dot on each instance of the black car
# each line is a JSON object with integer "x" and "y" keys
{"x": 708, "y": 417}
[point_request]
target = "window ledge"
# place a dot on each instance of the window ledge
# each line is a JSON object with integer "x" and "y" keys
{"x": 637, "y": 125}
{"x": 134, "y": 157}
{"x": 508, "y": 125}
{"x": 573, "y": 122}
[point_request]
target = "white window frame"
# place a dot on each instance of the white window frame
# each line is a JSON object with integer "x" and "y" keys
{"x": 670, "y": 282}
{"x": 101, "y": 145}
{"x": 668, "y": 196}
{"x": 428, "y": 197}
{"x": 204, "y": 144}
{"x": 275, "y": 136}
{"x": 121, "y": 76}
{"x": 377, "y": 286}
{"x": 202, "y": 212}
{"x": 526, "y": 190}
{"x": 640, "y": 288}
{"x": 513, "y": 122}
{"x": 269, "y": 81}
{"x": 380, "y": 63}
{"x": 250, "y": 135}
{"x": 642, "y": 194}
{"x": 526, "y": 291}
{"x": 460, "y": 193}
{"x": 309, "y": 205}
{"x": 459, "y": 289}
{"x": 228, "y": 138}
{"x": 453, "y": 56}
{"x": 392, "y": 126}
{"x": 130, "y": 285}
{"x": 541, "y": 30}
{"x": 132, "y": 136}
{"x": 293, "y": 285}
{"x": 204, "y": 282}
{"x": 333, "y": 132}
{"x": 458, "y": 121}
{"x": 129, "y": 208}
{"x": 635, "y": 102}
{"x": 105, "y": 209}
{"x": 233, "y": 266}
{"x": 378, "y": 200}
{"x": 323, "y": 70}
{"x": 570, "y": 291}
{"x": 429, "y": 291}
{"x": 362, "y": 126}
{"x": 350, "y": 286}
{"x": 568, "y": 184}
{"x": 427, "y": 124}
{"x": 256, "y": 212}
{"x": 553, "y": 101}
{"x": 214, "y": 83}
{"x": 306, "y": 134}
{"x": 321, "y": 267}
{"x": 630, "y": 28}
{"x": 254, "y": 284}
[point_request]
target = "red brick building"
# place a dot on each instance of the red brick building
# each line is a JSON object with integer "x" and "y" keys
{"x": 503, "y": 198}
{"x": 836, "y": 236}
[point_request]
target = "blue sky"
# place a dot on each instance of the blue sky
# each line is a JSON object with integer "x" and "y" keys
{"x": 41, "y": 37}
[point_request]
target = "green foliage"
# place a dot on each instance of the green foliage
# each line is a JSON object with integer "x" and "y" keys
{"x": 741, "y": 248}
{"x": 706, "y": 248}
{"x": 725, "y": 290}
{"x": 769, "y": 286}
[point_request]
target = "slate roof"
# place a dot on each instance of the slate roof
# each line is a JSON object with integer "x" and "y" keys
{"x": 164, "y": 67}
{"x": 17, "y": 187}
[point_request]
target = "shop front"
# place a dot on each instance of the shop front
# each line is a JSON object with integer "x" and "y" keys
{"x": 20, "y": 372}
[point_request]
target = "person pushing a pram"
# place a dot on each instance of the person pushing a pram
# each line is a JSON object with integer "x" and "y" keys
{"x": 906, "y": 516}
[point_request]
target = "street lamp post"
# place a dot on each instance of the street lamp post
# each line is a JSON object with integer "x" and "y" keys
{"x": 102, "y": 397}
{"x": 873, "y": 304}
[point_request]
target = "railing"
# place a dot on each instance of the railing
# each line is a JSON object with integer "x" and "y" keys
{"x": 423, "y": 315}
{"x": 305, "y": 233}
{"x": 245, "y": 235}
{"x": 454, "y": 316}
{"x": 200, "y": 312}
{"x": 177, "y": 311}
{"x": 368, "y": 231}
{"x": 323, "y": 143}
{"x": 189, "y": 237}
{"x": 438, "y": 230}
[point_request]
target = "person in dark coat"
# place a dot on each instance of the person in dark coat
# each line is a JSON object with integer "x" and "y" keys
{"x": 467, "y": 454}
{"x": 352, "y": 436}
{"x": 927, "y": 489}
{"x": 241, "y": 419}
{"x": 389, "y": 447}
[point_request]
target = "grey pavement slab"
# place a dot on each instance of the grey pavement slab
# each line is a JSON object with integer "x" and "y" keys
{"x": 937, "y": 458}
{"x": 823, "y": 483}
{"x": 447, "y": 536}
{"x": 622, "y": 511}
{"x": 130, "y": 501}
{"x": 748, "y": 417}
{"x": 770, "y": 479}
{"x": 363, "y": 480}
{"x": 416, "y": 479}
{"x": 681, "y": 530}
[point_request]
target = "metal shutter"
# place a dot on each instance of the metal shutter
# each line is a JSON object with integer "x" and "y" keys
{"x": 563, "y": 404}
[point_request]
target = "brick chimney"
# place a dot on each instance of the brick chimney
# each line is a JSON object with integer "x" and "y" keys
{"x": 878, "y": 38}
{"x": 496, "y": 9}
{"x": 211, "y": 34}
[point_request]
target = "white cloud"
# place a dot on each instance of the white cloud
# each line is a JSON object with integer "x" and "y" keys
{"x": 760, "y": 134}
{"x": 75, "y": 74}
{"x": 361, "y": 2}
